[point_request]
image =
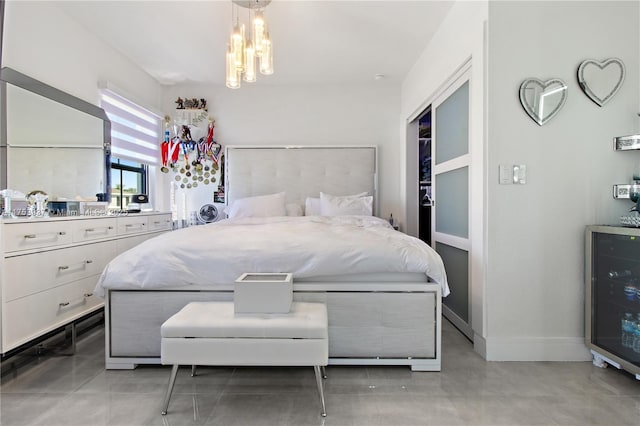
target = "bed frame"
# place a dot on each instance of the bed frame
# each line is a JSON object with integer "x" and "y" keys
{"x": 386, "y": 319}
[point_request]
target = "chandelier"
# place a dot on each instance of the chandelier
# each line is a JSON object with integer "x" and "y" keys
{"x": 245, "y": 52}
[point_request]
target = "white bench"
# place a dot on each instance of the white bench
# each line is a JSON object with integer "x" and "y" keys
{"x": 209, "y": 333}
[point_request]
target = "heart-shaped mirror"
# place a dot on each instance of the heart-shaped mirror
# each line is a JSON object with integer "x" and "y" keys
{"x": 542, "y": 99}
{"x": 600, "y": 81}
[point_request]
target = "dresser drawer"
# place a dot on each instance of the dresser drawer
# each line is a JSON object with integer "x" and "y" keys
{"x": 29, "y": 317}
{"x": 33, "y": 273}
{"x": 93, "y": 229}
{"x": 159, "y": 222}
{"x": 132, "y": 224}
{"x": 124, "y": 244}
{"x": 33, "y": 235}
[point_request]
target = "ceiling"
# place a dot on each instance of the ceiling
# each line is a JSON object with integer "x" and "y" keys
{"x": 315, "y": 42}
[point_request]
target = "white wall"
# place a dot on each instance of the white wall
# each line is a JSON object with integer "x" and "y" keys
{"x": 43, "y": 42}
{"x": 459, "y": 39}
{"x": 535, "y": 275}
{"x": 304, "y": 115}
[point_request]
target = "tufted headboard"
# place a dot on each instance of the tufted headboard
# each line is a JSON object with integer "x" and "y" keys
{"x": 300, "y": 171}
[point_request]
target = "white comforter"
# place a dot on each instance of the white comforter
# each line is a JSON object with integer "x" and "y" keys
{"x": 307, "y": 246}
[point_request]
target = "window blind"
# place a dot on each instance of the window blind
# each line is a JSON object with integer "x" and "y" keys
{"x": 134, "y": 129}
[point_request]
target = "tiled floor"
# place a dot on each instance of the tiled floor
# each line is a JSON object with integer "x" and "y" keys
{"x": 469, "y": 391}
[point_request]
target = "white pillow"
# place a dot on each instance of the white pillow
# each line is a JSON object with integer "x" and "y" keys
{"x": 294, "y": 209}
{"x": 260, "y": 206}
{"x": 312, "y": 205}
{"x": 331, "y": 205}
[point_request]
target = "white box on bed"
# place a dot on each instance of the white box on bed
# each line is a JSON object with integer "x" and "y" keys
{"x": 263, "y": 293}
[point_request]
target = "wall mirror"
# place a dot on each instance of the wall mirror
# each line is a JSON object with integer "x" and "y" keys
{"x": 601, "y": 80}
{"x": 542, "y": 99}
{"x": 50, "y": 140}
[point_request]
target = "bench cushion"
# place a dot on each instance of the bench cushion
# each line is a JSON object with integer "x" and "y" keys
{"x": 218, "y": 320}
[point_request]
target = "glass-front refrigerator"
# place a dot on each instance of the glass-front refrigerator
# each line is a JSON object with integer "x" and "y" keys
{"x": 612, "y": 311}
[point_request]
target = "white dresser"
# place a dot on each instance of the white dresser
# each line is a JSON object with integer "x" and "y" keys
{"x": 50, "y": 267}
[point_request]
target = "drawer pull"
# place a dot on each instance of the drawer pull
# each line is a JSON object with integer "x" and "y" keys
{"x": 65, "y": 267}
{"x": 31, "y": 236}
{"x": 136, "y": 225}
{"x": 88, "y": 294}
{"x": 105, "y": 229}
{"x": 63, "y": 304}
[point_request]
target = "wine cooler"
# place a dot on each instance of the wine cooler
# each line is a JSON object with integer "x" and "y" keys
{"x": 612, "y": 308}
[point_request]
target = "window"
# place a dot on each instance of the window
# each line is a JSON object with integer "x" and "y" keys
{"x": 135, "y": 132}
{"x": 127, "y": 179}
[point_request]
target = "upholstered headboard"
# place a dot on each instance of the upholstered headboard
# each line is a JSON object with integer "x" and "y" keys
{"x": 300, "y": 171}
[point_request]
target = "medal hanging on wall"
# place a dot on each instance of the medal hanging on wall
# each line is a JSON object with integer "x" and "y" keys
{"x": 178, "y": 146}
{"x": 212, "y": 152}
{"x": 174, "y": 151}
{"x": 202, "y": 157}
{"x": 215, "y": 155}
{"x": 164, "y": 148}
{"x": 169, "y": 148}
{"x": 213, "y": 148}
{"x": 164, "y": 152}
{"x": 193, "y": 161}
{"x": 169, "y": 151}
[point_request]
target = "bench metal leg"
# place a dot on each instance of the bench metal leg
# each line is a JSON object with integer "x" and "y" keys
{"x": 172, "y": 381}
{"x": 320, "y": 390}
{"x": 193, "y": 370}
{"x": 323, "y": 369}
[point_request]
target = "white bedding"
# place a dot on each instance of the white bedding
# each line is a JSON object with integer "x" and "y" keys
{"x": 307, "y": 246}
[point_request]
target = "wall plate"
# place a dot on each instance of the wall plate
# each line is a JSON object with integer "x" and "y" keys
{"x": 519, "y": 174}
{"x": 506, "y": 174}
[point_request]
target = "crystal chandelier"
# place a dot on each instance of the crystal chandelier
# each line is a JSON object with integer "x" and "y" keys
{"x": 245, "y": 52}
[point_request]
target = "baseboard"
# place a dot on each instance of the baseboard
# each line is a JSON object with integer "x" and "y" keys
{"x": 480, "y": 345}
{"x": 536, "y": 349}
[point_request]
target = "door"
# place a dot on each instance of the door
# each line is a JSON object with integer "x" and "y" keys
{"x": 451, "y": 201}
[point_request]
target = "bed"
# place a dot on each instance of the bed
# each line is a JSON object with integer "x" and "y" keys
{"x": 382, "y": 288}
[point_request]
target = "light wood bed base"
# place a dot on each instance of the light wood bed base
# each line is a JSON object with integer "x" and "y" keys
{"x": 369, "y": 323}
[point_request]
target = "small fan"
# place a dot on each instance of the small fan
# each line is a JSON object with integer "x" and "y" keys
{"x": 208, "y": 213}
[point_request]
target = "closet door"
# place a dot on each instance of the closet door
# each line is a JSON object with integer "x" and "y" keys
{"x": 450, "y": 223}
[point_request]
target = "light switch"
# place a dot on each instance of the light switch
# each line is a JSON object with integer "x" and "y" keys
{"x": 513, "y": 174}
{"x": 506, "y": 174}
{"x": 519, "y": 174}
